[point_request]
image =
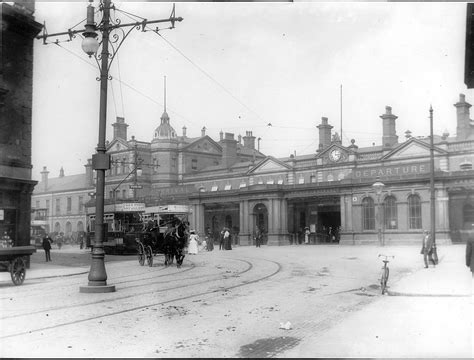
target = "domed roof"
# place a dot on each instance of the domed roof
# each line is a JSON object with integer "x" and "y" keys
{"x": 165, "y": 130}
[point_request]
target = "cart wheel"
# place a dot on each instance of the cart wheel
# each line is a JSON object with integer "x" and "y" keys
{"x": 18, "y": 271}
{"x": 149, "y": 256}
{"x": 141, "y": 254}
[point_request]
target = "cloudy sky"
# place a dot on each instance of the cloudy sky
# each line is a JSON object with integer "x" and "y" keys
{"x": 237, "y": 67}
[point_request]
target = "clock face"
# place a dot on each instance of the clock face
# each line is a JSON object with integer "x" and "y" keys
{"x": 335, "y": 155}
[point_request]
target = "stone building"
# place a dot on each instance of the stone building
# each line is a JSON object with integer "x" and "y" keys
{"x": 16, "y": 84}
{"x": 230, "y": 183}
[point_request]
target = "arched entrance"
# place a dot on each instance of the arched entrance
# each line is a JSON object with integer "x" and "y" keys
{"x": 80, "y": 226}
{"x": 261, "y": 220}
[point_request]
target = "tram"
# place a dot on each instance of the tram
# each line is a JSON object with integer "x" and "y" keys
{"x": 123, "y": 225}
{"x": 164, "y": 215}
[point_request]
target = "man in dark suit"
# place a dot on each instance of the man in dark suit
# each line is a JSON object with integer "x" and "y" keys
{"x": 47, "y": 246}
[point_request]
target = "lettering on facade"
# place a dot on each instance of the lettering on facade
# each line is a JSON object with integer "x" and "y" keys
{"x": 388, "y": 171}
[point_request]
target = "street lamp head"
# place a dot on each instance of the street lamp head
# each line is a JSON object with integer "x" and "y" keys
{"x": 90, "y": 45}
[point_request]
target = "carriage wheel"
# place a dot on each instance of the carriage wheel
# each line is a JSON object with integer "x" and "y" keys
{"x": 141, "y": 254}
{"x": 149, "y": 256}
{"x": 18, "y": 271}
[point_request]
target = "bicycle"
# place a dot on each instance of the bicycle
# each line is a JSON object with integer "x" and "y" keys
{"x": 385, "y": 272}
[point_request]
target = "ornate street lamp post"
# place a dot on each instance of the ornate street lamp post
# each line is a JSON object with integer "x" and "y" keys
{"x": 101, "y": 161}
{"x": 378, "y": 187}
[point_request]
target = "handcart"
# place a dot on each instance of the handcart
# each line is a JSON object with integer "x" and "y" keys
{"x": 13, "y": 260}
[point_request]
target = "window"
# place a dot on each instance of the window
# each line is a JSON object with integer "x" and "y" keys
{"x": 47, "y": 204}
{"x": 37, "y": 204}
{"x": 390, "y": 212}
{"x": 124, "y": 193}
{"x": 242, "y": 185}
{"x": 280, "y": 181}
{"x": 81, "y": 204}
{"x": 124, "y": 166}
{"x": 68, "y": 204}
{"x": 155, "y": 165}
{"x": 58, "y": 206}
{"x": 312, "y": 179}
{"x": 301, "y": 180}
{"x": 368, "y": 214}
{"x": 228, "y": 187}
{"x": 270, "y": 182}
{"x": 414, "y": 212}
{"x": 194, "y": 164}
{"x": 214, "y": 188}
{"x": 111, "y": 194}
{"x": 468, "y": 214}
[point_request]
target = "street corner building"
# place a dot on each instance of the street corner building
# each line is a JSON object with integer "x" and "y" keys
{"x": 337, "y": 194}
{"x": 16, "y": 86}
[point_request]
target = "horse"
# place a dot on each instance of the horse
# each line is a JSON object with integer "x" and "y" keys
{"x": 175, "y": 242}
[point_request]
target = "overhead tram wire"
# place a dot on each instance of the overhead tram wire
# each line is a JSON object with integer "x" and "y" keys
{"x": 207, "y": 75}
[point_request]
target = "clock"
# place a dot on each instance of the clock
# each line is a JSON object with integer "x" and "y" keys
{"x": 335, "y": 155}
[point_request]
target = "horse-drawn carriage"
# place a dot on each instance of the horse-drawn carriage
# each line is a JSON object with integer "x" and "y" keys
{"x": 169, "y": 240}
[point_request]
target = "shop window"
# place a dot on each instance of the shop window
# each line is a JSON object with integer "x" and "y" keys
{"x": 390, "y": 212}
{"x": 414, "y": 212}
{"x": 368, "y": 214}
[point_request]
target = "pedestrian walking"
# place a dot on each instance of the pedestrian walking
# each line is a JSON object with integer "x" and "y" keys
{"x": 210, "y": 241}
{"x": 258, "y": 238}
{"x": 470, "y": 263}
{"x": 193, "y": 243}
{"x": 227, "y": 240}
{"x": 306, "y": 235}
{"x": 47, "y": 247}
{"x": 427, "y": 248}
{"x": 221, "y": 239}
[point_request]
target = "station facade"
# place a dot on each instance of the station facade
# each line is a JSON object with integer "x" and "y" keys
{"x": 330, "y": 192}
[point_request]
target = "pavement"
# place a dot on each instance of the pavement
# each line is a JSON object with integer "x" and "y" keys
{"x": 427, "y": 313}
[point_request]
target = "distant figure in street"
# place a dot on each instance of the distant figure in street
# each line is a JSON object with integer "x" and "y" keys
{"x": 226, "y": 240}
{"x": 306, "y": 235}
{"x": 470, "y": 255}
{"x": 193, "y": 243}
{"x": 210, "y": 240}
{"x": 258, "y": 238}
{"x": 47, "y": 246}
{"x": 221, "y": 239}
{"x": 427, "y": 248}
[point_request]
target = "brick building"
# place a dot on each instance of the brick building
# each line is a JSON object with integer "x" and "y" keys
{"x": 16, "y": 77}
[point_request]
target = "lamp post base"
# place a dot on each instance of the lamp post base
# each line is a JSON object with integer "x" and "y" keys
{"x": 94, "y": 289}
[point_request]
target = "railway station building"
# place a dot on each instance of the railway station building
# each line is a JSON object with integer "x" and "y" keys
{"x": 329, "y": 192}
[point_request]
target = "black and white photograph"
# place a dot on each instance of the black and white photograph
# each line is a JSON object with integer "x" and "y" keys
{"x": 223, "y": 179}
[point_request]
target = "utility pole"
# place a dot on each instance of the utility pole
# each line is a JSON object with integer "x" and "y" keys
{"x": 101, "y": 160}
{"x": 432, "y": 187}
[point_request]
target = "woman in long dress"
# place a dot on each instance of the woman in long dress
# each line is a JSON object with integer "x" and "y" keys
{"x": 193, "y": 243}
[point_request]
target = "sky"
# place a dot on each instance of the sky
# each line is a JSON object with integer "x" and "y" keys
{"x": 237, "y": 67}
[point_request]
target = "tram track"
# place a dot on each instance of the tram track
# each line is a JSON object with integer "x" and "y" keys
{"x": 208, "y": 291}
{"x": 205, "y": 279}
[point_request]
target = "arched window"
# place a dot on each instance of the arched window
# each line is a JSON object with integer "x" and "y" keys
{"x": 368, "y": 214}
{"x": 390, "y": 212}
{"x": 57, "y": 227}
{"x": 414, "y": 212}
{"x": 68, "y": 228}
{"x": 80, "y": 226}
{"x": 228, "y": 221}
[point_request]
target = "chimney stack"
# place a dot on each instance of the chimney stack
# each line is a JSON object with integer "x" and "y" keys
{"x": 61, "y": 172}
{"x": 184, "y": 131}
{"x": 44, "y": 178}
{"x": 249, "y": 140}
{"x": 203, "y": 131}
{"x": 89, "y": 173}
{"x": 463, "y": 128}
{"x": 324, "y": 133}
{"x": 389, "y": 137}
{"x": 229, "y": 150}
{"x": 120, "y": 128}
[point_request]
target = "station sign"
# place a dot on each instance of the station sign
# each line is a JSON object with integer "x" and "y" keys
{"x": 136, "y": 186}
{"x": 391, "y": 171}
{"x": 123, "y": 207}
